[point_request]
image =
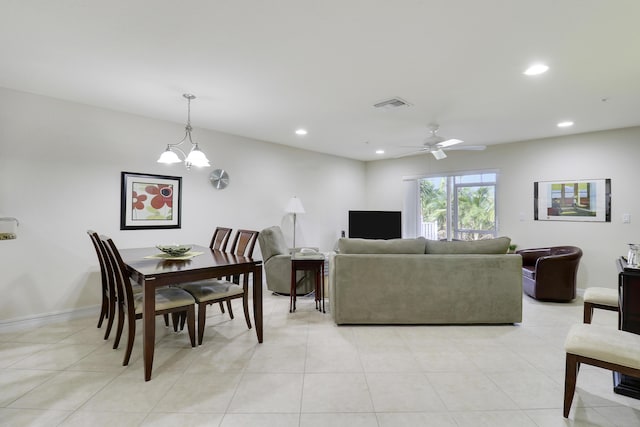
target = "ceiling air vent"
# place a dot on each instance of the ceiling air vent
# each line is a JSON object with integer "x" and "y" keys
{"x": 392, "y": 104}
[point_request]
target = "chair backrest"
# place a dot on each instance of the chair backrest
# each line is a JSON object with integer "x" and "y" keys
{"x": 95, "y": 239}
{"x": 220, "y": 238}
{"x": 272, "y": 243}
{"x": 120, "y": 275}
{"x": 244, "y": 242}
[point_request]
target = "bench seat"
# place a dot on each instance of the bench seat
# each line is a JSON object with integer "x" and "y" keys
{"x": 599, "y": 346}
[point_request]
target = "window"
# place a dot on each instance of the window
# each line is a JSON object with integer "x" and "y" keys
{"x": 459, "y": 207}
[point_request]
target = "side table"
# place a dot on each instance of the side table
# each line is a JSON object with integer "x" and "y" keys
{"x": 315, "y": 264}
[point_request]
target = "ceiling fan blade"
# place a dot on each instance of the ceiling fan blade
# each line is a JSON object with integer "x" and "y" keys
{"x": 467, "y": 148}
{"x": 449, "y": 142}
{"x": 411, "y": 153}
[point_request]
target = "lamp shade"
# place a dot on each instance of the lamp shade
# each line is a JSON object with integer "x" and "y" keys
{"x": 197, "y": 158}
{"x": 169, "y": 157}
{"x": 294, "y": 206}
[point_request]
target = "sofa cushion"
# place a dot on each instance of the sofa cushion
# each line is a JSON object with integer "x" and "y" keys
{"x": 272, "y": 242}
{"x": 499, "y": 245}
{"x": 375, "y": 246}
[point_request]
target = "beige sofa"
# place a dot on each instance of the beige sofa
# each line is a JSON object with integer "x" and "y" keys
{"x": 419, "y": 281}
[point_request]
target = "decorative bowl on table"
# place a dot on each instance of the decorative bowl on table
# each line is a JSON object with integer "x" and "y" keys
{"x": 174, "y": 250}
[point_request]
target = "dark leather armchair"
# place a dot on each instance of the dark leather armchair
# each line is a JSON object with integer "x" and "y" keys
{"x": 549, "y": 274}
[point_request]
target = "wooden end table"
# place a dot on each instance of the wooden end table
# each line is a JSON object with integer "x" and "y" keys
{"x": 315, "y": 264}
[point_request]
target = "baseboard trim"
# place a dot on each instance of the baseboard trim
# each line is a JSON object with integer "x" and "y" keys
{"x": 48, "y": 318}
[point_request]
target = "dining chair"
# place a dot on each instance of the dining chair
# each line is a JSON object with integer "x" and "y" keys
{"x": 108, "y": 304}
{"x": 109, "y": 293}
{"x": 220, "y": 238}
{"x": 219, "y": 242}
{"x": 168, "y": 300}
{"x": 213, "y": 291}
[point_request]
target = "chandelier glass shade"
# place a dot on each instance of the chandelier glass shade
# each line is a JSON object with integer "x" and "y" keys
{"x": 173, "y": 153}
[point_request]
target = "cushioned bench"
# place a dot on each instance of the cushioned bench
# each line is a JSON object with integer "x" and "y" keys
{"x": 599, "y": 346}
{"x": 602, "y": 298}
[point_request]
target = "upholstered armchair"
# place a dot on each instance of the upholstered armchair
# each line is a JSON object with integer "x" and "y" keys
{"x": 549, "y": 274}
{"x": 276, "y": 258}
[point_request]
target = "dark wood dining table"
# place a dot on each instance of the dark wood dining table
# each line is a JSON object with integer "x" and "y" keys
{"x": 152, "y": 273}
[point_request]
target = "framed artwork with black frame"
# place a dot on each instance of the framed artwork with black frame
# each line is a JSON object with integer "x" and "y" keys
{"x": 150, "y": 201}
{"x": 587, "y": 200}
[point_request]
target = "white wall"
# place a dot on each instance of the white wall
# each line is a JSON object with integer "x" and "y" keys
{"x": 60, "y": 166}
{"x": 608, "y": 154}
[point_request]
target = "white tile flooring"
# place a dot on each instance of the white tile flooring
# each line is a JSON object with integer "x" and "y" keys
{"x": 309, "y": 372}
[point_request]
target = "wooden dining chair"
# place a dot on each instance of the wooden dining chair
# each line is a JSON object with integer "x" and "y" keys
{"x": 168, "y": 300}
{"x": 220, "y": 238}
{"x": 219, "y": 242}
{"x": 108, "y": 294}
{"x": 213, "y": 291}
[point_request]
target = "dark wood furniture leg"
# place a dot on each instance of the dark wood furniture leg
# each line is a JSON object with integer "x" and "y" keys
{"x": 292, "y": 288}
{"x": 257, "y": 300}
{"x": 148, "y": 326}
{"x": 571, "y": 374}
{"x": 322, "y": 285}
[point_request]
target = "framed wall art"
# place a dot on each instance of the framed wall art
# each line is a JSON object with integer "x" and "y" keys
{"x": 586, "y": 200}
{"x": 150, "y": 201}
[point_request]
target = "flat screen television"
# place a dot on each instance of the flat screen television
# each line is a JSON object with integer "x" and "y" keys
{"x": 375, "y": 224}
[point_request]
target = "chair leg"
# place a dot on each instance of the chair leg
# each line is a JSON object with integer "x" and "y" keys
{"x": 175, "y": 320}
{"x": 183, "y": 317}
{"x": 229, "y": 307}
{"x": 104, "y": 311}
{"x": 245, "y": 307}
{"x": 202, "y": 315}
{"x": 116, "y": 342}
{"x": 112, "y": 312}
{"x": 130, "y": 338}
{"x": 191, "y": 324}
{"x": 588, "y": 312}
{"x": 222, "y": 307}
{"x": 570, "y": 377}
{"x": 166, "y": 320}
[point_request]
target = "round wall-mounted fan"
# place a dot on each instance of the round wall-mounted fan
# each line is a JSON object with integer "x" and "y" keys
{"x": 437, "y": 145}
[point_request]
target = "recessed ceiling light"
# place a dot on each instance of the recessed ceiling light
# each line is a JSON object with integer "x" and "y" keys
{"x": 301, "y": 131}
{"x": 536, "y": 69}
{"x": 379, "y": 151}
{"x": 565, "y": 124}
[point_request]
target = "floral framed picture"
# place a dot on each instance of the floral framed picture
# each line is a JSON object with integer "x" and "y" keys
{"x": 150, "y": 201}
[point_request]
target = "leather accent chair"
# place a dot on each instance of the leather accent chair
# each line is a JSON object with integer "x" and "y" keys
{"x": 549, "y": 274}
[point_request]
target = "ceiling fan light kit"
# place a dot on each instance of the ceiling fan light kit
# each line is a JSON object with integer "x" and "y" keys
{"x": 438, "y": 154}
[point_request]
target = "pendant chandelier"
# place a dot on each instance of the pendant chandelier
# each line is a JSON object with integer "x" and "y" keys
{"x": 195, "y": 157}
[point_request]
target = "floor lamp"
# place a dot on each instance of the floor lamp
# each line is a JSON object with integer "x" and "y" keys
{"x": 294, "y": 207}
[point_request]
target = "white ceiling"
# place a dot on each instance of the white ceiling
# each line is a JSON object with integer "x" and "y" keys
{"x": 262, "y": 68}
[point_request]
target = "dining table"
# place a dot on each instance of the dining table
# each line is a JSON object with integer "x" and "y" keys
{"x": 152, "y": 269}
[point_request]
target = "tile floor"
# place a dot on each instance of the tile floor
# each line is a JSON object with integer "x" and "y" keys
{"x": 309, "y": 372}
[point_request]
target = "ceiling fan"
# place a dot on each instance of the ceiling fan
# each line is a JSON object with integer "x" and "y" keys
{"x": 436, "y": 145}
